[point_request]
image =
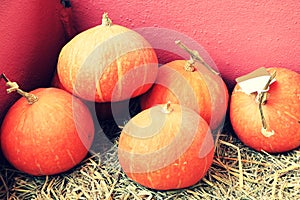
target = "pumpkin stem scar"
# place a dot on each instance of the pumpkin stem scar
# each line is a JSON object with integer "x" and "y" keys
{"x": 195, "y": 56}
{"x": 167, "y": 108}
{"x": 14, "y": 87}
{"x": 262, "y": 98}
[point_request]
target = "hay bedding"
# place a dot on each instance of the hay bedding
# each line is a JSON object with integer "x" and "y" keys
{"x": 237, "y": 172}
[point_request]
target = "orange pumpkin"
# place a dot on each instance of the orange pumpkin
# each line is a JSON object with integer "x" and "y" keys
{"x": 193, "y": 85}
{"x": 107, "y": 63}
{"x": 47, "y": 136}
{"x": 166, "y": 147}
{"x": 281, "y": 112}
{"x": 104, "y": 111}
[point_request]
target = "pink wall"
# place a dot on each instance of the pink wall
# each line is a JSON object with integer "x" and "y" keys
{"x": 31, "y": 36}
{"x": 240, "y": 35}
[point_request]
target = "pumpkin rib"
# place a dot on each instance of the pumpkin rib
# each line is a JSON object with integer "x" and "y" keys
{"x": 119, "y": 72}
{"x": 71, "y": 157}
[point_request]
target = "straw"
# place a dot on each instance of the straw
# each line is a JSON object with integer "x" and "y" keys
{"x": 237, "y": 172}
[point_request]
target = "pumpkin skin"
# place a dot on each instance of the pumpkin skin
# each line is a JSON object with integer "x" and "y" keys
{"x": 107, "y": 63}
{"x": 281, "y": 111}
{"x": 200, "y": 90}
{"x": 31, "y": 36}
{"x": 104, "y": 111}
{"x": 166, "y": 150}
{"x": 45, "y": 138}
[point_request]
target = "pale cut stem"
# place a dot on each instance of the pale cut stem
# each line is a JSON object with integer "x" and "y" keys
{"x": 14, "y": 87}
{"x": 106, "y": 21}
{"x": 262, "y": 100}
{"x": 195, "y": 55}
{"x": 189, "y": 65}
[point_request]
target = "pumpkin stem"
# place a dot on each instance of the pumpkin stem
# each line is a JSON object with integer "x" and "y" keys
{"x": 262, "y": 99}
{"x": 189, "y": 65}
{"x": 195, "y": 55}
{"x": 106, "y": 21}
{"x": 167, "y": 108}
{"x": 14, "y": 87}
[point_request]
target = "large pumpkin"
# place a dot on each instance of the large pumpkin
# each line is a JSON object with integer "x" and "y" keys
{"x": 49, "y": 135}
{"x": 107, "y": 63}
{"x": 193, "y": 85}
{"x": 281, "y": 112}
{"x": 166, "y": 147}
{"x": 31, "y": 36}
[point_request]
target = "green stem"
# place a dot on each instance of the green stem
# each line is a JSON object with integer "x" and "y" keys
{"x": 195, "y": 55}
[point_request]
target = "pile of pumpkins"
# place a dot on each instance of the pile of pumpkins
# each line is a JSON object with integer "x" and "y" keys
{"x": 169, "y": 144}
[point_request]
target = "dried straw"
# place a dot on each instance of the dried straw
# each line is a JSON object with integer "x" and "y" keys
{"x": 237, "y": 172}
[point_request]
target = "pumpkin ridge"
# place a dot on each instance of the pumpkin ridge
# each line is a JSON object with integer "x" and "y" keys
{"x": 98, "y": 88}
{"x": 70, "y": 156}
{"x": 119, "y": 71}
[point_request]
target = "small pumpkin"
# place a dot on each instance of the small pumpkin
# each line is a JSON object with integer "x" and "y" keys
{"x": 44, "y": 134}
{"x": 191, "y": 84}
{"x": 275, "y": 127}
{"x": 107, "y": 63}
{"x": 166, "y": 147}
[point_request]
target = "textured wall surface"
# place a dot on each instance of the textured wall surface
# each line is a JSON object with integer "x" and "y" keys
{"x": 31, "y": 36}
{"x": 239, "y": 35}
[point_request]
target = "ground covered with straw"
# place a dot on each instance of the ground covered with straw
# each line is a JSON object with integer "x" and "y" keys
{"x": 237, "y": 172}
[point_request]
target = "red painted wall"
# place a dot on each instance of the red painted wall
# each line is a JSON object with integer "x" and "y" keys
{"x": 31, "y": 36}
{"x": 239, "y": 35}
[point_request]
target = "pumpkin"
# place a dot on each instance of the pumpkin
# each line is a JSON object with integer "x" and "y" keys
{"x": 31, "y": 37}
{"x": 107, "y": 63}
{"x": 104, "y": 111}
{"x": 44, "y": 134}
{"x": 275, "y": 127}
{"x": 193, "y": 85}
{"x": 166, "y": 147}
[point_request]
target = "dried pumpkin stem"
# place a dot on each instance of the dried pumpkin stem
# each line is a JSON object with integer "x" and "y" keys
{"x": 195, "y": 56}
{"x": 262, "y": 98}
{"x": 106, "y": 21}
{"x": 14, "y": 87}
{"x": 189, "y": 65}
